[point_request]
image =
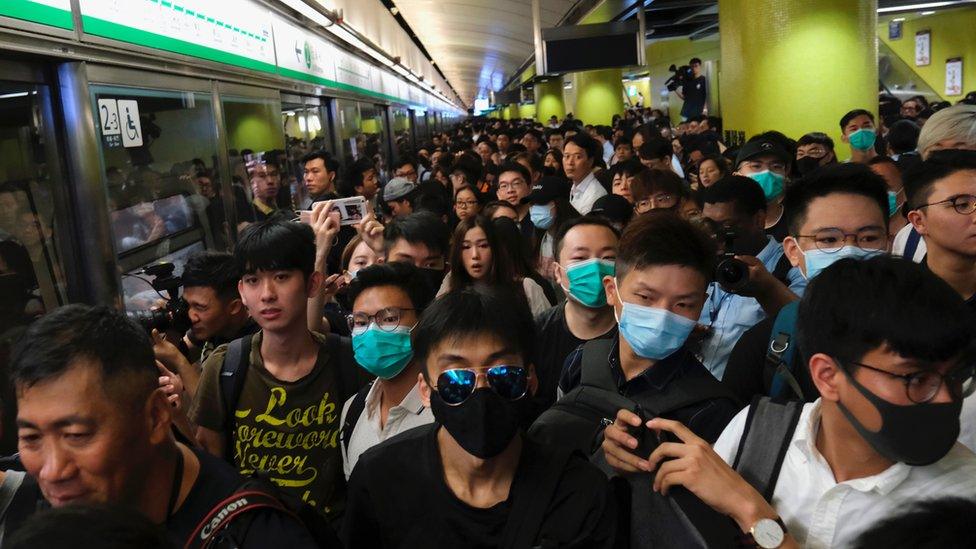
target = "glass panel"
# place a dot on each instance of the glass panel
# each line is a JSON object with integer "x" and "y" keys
{"x": 306, "y": 130}
{"x": 402, "y": 136}
{"x": 349, "y": 125}
{"x": 374, "y": 136}
{"x": 159, "y": 150}
{"x": 256, "y": 147}
{"x": 423, "y": 134}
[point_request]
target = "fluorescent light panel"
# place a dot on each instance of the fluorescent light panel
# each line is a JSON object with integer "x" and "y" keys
{"x": 923, "y": 6}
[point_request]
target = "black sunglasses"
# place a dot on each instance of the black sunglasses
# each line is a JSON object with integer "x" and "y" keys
{"x": 456, "y": 386}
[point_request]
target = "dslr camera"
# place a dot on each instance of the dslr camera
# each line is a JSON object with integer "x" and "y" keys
{"x": 176, "y": 314}
{"x": 681, "y": 75}
{"x": 731, "y": 273}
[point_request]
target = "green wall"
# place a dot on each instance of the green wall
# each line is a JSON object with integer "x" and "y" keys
{"x": 599, "y": 96}
{"x": 663, "y": 53}
{"x": 255, "y": 126}
{"x": 953, "y": 35}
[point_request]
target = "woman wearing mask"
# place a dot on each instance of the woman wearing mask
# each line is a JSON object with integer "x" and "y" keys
{"x": 553, "y": 162}
{"x": 477, "y": 257}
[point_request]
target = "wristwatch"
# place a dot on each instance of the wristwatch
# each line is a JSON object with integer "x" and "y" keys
{"x": 768, "y": 533}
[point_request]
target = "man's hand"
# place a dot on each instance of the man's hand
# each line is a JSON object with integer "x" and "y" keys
{"x": 172, "y": 385}
{"x": 371, "y": 231}
{"x": 769, "y": 291}
{"x": 693, "y": 464}
{"x": 619, "y": 444}
{"x": 325, "y": 225}
{"x": 166, "y": 353}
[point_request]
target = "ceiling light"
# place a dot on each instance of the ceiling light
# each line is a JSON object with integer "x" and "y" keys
{"x": 923, "y": 5}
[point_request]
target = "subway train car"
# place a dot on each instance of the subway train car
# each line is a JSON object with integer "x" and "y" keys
{"x": 125, "y": 127}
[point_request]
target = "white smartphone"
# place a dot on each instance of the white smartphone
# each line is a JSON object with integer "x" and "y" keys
{"x": 351, "y": 210}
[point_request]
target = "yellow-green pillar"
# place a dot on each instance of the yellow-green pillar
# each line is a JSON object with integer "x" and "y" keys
{"x": 549, "y": 99}
{"x": 797, "y": 65}
{"x": 599, "y": 96}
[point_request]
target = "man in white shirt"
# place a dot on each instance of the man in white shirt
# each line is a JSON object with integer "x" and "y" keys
{"x": 579, "y": 154}
{"x": 386, "y": 301}
{"x": 892, "y": 374}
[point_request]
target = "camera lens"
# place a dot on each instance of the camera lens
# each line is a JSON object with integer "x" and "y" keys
{"x": 155, "y": 319}
{"x": 732, "y": 273}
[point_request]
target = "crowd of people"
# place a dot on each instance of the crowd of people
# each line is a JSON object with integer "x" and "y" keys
{"x": 542, "y": 335}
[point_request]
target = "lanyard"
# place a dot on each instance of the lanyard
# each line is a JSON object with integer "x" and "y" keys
{"x": 713, "y": 310}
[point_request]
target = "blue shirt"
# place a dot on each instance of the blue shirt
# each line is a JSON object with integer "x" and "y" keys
{"x": 730, "y": 315}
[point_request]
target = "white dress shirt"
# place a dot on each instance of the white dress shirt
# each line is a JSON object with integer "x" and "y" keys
{"x": 410, "y": 413}
{"x": 820, "y": 512}
{"x": 583, "y": 194}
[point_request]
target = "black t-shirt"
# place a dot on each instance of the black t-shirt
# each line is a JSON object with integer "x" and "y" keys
{"x": 746, "y": 373}
{"x": 694, "y": 92}
{"x": 554, "y": 342}
{"x": 398, "y": 498}
{"x": 216, "y": 481}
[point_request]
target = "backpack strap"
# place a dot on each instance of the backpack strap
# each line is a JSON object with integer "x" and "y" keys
{"x": 911, "y": 245}
{"x": 595, "y": 366}
{"x": 223, "y": 514}
{"x": 355, "y": 410}
{"x": 348, "y": 375}
{"x": 781, "y": 353}
{"x": 528, "y": 511}
{"x": 768, "y": 432}
{"x": 233, "y": 371}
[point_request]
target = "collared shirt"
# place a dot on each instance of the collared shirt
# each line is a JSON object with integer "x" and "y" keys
{"x": 819, "y": 512}
{"x": 607, "y": 152}
{"x": 585, "y": 193}
{"x": 410, "y": 413}
{"x": 706, "y": 419}
{"x": 730, "y": 315}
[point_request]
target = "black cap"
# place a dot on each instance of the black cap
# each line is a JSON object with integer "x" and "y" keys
{"x": 613, "y": 207}
{"x": 762, "y": 147}
{"x": 548, "y": 189}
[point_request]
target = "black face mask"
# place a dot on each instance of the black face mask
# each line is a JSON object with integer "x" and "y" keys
{"x": 434, "y": 277}
{"x": 549, "y": 171}
{"x": 917, "y": 434}
{"x": 807, "y": 164}
{"x": 483, "y": 425}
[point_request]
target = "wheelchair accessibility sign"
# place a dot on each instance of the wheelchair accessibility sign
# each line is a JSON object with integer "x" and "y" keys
{"x": 131, "y": 126}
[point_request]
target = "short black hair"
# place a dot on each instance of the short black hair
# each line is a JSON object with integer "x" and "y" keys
{"x": 661, "y": 237}
{"x": 88, "y": 525}
{"x": 433, "y": 201}
{"x": 499, "y": 311}
{"x": 628, "y": 168}
{"x": 648, "y": 182}
{"x": 518, "y": 168}
{"x": 849, "y": 178}
{"x": 654, "y": 148}
{"x": 855, "y": 306}
{"x": 844, "y": 120}
{"x": 273, "y": 245}
{"x": 331, "y": 164}
{"x": 212, "y": 269}
{"x": 927, "y": 524}
{"x": 535, "y": 160}
{"x": 399, "y": 274}
{"x": 694, "y": 60}
{"x": 591, "y": 220}
{"x": 419, "y": 227}
{"x": 744, "y": 193}
{"x": 583, "y": 140}
{"x": 818, "y": 138}
{"x": 355, "y": 174}
{"x": 405, "y": 160}
{"x": 903, "y": 136}
{"x": 117, "y": 346}
{"x": 920, "y": 177}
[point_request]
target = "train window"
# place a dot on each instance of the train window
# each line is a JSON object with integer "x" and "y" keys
{"x": 374, "y": 132}
{"x": 362, "y": 129}
{"x": 422, "y": 132}
{"x": 402, "y": 134}
{"x": 256, "y": 147}
{"x": 159, "y": 150}
{"x": 31, "y": 277}
{"x": 305, "y": 125}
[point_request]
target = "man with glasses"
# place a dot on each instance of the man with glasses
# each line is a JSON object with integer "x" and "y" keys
{"x": 658, "y": 189}
{"x": 836, "y": 212}
{"x": 941, "y": 205}
{"x": 472, "y": 478}
{"x": 736, "y": 206}
{"x": 514, "y": 184}
{"x": 406, "y": 168}
{"x": 768, "y": 164}
{"x": 891, "y": 372}
{"x": 387, "y": 300}
{"x": 814, "y": 150}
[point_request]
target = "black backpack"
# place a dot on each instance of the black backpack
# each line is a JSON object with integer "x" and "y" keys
{"x": 577, "y": 421}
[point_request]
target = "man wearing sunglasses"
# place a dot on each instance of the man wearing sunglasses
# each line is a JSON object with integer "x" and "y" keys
{"x": 941, "y": 205}
{"x": 472, "y": 478}
{"x": 892, "y": 373}
{"x": 387, "y": 300}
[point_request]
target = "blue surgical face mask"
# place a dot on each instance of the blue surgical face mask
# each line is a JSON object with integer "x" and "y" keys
{"x": 863, "y": 139}
{"x": 771, "y": 183}
{"x": 817, "y": 260}
{"x": 541, "y": 216}
{"x": 892, "y": 203}
{"x": 586, "y": 281}
{"x": 651, "y": 332}
{"x": 381, "y": 353}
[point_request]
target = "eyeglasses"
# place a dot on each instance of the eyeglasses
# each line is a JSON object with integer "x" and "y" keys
{"x": 513, "y": 185}
{"x": 921, "y": 387}
{"x": 964, "y": 204}
{"x": 832, "y": 240}
{"x": 465, "y": 204}
{"x": 456, "y": 386}
{"x": 387, "y": 319}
